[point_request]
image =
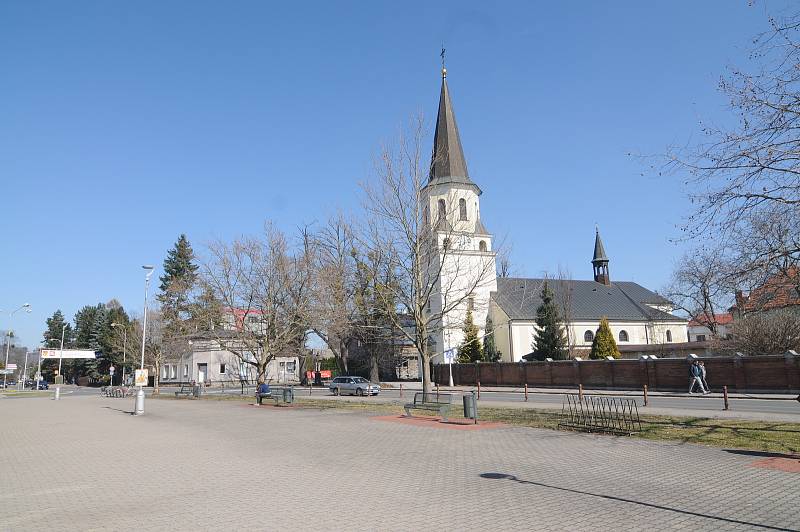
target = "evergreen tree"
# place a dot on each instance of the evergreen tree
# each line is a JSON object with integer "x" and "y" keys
{"x": 490, "y": 352}
{"x": 55, "y": 325}
{"x": 470, "y": 348}
{"x": 177, "y": 283}
{"x": 604, "y": 344}
{"x": 549, "y": 340}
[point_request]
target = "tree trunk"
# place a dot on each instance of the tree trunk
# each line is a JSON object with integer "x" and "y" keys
{"x": 427, "y": 386}
{"x": 156, "y": 379}
{"x": 374, "y": 371}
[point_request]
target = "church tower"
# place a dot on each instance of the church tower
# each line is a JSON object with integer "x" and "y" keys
{"x": 463, "y": 266}
{"x": 600, "y": 261}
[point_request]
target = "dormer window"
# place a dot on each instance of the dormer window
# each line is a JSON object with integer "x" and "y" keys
{"x": 462, "y": 209}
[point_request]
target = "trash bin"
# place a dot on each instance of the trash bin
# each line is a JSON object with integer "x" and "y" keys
{"x": 288, "y": 395}
{"x": 470, "y": 406}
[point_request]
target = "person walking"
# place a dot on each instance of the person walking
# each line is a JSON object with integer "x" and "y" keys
{"x": 703, "y": 376}
{"x": 696, "y": 377}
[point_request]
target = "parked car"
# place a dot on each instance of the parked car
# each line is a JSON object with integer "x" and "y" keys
{"x": 353, "y": 386}
{"x": 42, "y": 385}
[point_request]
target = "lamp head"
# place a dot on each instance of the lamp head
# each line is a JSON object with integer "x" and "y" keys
{"x": 149, "y": 269}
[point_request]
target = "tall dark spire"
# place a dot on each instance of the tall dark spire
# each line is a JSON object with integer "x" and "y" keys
{"x": 448, "y": 164}
{"x": 600, "y": 261}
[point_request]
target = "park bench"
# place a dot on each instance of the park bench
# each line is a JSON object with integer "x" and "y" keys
{"x": 261, "y": 396}
{"x": 186, "y": 389}
{"x": 441, "y": 402}
{"x": 282, "y": 398}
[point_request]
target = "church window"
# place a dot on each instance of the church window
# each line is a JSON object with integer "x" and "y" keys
{"x": 446, "y": 243}
{"x": 482, "y": 245}
{"x": 462, "y": 209}
{"x": 669, "y": 335}
{"x": 623, "y": 336}
{"x": 427, "y": 215}
{"x": 442, "y": 209}
{"x": 588, "y": 336}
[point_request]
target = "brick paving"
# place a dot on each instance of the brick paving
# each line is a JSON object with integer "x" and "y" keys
{"x": 83, "y": 463}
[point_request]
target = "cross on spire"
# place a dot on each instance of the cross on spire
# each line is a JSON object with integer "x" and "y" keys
{"x": 444, "y": 70}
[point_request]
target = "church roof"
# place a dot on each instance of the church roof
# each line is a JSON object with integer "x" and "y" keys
{"x": 599, "y": 251}
{"x": 589, "y": 300}
{"x": 448, "y": 164}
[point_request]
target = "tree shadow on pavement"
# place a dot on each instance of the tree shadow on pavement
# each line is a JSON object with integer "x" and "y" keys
{"x": 505, "y": 476}
{"x": 763, "y": 454}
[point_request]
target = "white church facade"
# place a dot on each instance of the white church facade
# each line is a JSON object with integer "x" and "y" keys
{"x": 461, "y": 267}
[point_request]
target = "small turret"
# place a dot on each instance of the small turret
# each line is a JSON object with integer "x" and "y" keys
{"x": 600, "y": 261}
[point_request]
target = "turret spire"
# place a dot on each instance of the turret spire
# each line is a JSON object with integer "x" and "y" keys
{"x": 600, "y": 260}
{"x": 447, "y": 164}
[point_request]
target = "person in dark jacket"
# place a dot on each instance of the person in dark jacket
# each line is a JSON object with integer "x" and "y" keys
{"x": 696, "y": 377}
{"x": 262, "y": 391}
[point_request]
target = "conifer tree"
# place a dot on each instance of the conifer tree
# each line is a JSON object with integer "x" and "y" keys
{"x": 180, "y": 275}
{"x": 55, "y": 325}
{"x": 470, "y": 348}
{"x": 490, "y": 352}
{"x": 549, "y": 341}
{"x": 604, "y": 344}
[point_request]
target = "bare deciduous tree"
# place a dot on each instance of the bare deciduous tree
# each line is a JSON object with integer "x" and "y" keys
{"x": 264, "y": 287}
{"x": 768, "y": 333}
{"x": 421, "y": 250}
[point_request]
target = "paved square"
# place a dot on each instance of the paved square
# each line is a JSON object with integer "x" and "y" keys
{"x": 83, "y": 463}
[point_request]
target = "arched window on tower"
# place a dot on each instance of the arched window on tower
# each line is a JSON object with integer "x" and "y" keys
{"x": 669, "y": 335}
{"x": 588, "y": 336}
{"x": 623, "y": 336}
{"x": 482, "y": 245}
{"x": 442, "y": 210}
{"x": 427, "y": 215}
{"x": 462, "y": 209}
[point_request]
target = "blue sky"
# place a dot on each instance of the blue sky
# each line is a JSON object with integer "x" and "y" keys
{"x": 124, "y": 124}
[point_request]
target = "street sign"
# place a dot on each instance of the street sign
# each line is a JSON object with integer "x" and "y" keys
{"x": 141, "y": 378}
{"x": 68, "y": 353}
{"x": 11, "y": 366}
{"x": 6, "y": 371}
{"x": 450, "y": 355}
{"x": 111, "y": 370}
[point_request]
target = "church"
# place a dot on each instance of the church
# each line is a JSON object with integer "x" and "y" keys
{"x": 463, "y": 272}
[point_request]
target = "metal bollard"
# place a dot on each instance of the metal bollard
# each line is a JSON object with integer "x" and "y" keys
{"x": 725, "y": 396}
{"x": 645, "y": 395}
{"x": 437, "y": 391}
{"x": 309, "y": 389}
{"x": 580, "y": 392}
{"x": 479, "y": 389}
{"x": 526, "y": 391}
{"x": 401, "y": 389}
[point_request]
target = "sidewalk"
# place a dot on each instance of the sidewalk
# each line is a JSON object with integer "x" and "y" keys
{"x": 416, "y": 387}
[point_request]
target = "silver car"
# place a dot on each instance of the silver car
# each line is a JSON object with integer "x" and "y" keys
{"x": 353, "y": 386}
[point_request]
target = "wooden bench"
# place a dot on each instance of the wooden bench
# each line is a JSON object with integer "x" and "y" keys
{"x": 431, "y": 401}
{"x": 280, "y": 398}
{"x": 185, "y": 390}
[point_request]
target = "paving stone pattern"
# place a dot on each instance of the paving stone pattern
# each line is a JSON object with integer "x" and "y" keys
{"x": 83, "y": 463}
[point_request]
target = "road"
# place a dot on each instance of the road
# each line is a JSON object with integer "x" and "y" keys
{"x": 758, "y": 407}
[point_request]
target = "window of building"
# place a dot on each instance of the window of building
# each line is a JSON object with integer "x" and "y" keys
{"x": 623, "y": 336}
{"x": 164, "y": 372}
{"x": 462, "y": 209}
{"x": 291, "y": 366}
{"x": 669, "y": 335}
{"x": 173, "y": 372}
{"x": 700, "y": 338}
{"x": 252, "y": 319}
{"x": 482, "y": 245}
{"x": 446, "y": 243}
{"x": 222, "y": 369}
{"x": 186, "y": 371}
{"x": 588, "y": 336}
{"x": 426, "y": 214}
{"x": 442, "y": 209}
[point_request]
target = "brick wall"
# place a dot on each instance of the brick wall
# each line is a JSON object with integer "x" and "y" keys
{"x": 779, "y": 373}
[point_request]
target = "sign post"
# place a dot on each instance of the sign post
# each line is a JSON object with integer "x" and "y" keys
{"x": 449, "y": 355}
{"x": 111, "y": 375}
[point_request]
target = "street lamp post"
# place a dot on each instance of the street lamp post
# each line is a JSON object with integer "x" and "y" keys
{"x": 24, "y": 373}
{"x": 60, "y": 357}
{"x": 27, "y": 307}
{"x": 124, "y": 347}
{"x": 139, "y": 407}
